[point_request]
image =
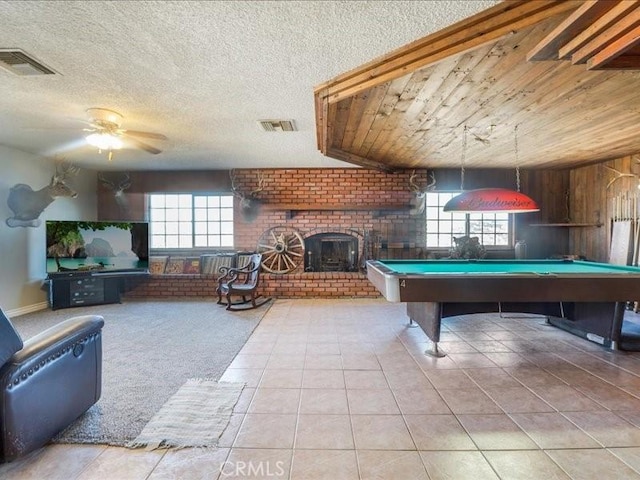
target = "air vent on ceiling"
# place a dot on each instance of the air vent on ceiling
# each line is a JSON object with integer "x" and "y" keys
{"x": 277, "y": 125}
{"x": 18, "y": 62}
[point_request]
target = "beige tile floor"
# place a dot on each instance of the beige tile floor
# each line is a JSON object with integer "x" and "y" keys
{"x": 341, "y": 389}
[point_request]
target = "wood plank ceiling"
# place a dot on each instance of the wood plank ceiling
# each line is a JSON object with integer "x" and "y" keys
{"x": 499, "y": 71}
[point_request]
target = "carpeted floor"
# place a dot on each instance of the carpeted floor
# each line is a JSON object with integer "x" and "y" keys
{"x": 150, "y": 349}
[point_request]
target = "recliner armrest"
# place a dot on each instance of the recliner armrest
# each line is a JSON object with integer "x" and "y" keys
{"x": 53, "y": 341}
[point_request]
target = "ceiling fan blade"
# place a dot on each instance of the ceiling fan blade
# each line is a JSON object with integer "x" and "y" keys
{"x": 143, "y": 146}
{"x": 66, "y": 148}
{"x": 137, "y": 133}
{"x": 58, "y": 129}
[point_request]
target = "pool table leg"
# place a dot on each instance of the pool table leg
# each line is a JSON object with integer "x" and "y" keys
{"x": 429, "y": 316}
{"x": 434, "y": 352}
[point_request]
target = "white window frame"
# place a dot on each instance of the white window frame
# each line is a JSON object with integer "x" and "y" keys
{"x": 190, "y": 220}
{"x": 461, "y": 224}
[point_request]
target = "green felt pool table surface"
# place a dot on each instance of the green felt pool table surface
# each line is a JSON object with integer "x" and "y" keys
{"x": 543, "y": 267}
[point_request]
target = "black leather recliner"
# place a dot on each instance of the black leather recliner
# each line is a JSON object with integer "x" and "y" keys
{"x": 47, "y": 382}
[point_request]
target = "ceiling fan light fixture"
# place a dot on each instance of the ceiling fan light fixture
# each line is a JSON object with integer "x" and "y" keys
{"x": 104, "y": 116}
{"x": 104, "y": 141}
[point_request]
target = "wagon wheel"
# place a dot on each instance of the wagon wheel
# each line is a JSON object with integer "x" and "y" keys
{"x": 282, "y": 249}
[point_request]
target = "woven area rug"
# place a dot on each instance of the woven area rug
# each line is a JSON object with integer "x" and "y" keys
{"x": 195, "y": 416}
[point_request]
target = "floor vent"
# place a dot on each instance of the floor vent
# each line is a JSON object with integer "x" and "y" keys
{"x": 277, "y": 125}
{"x": 18, "y": 62}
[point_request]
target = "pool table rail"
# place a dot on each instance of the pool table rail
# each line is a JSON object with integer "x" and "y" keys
{"x": 615, "y": 286}
{"x": 585, "y": 298}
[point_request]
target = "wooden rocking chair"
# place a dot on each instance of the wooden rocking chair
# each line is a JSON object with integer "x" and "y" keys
{"x": 242, "y": 282}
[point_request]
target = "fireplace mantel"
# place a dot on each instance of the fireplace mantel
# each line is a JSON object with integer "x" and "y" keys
{"x": 333, "y": 206}
{"x": 292, "y": 208}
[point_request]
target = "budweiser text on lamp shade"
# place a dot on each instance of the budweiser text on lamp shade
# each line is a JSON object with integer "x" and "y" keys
{"x": 491, "y": 200}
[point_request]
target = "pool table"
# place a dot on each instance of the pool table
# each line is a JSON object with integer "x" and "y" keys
{"x": 585, "y": 298}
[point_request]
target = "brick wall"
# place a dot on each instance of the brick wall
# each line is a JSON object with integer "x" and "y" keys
{"x": 299, "y": 285}
{"x": 375, "y": 205}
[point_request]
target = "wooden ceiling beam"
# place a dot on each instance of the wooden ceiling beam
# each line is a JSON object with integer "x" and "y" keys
{"x": 608, "y": 28}
{"x": 573, "y": 25}
{"x": 606, "y": 57}
{"x": 623, "y": 62}
{"x": 618, "y": 9}
{"x": 600, "y": 33}
{"x": 360, "y": 161}
{"x": 321, "y": 106}
{"x": 475, "y": 31}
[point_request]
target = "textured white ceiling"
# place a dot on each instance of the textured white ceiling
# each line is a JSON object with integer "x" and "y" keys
{"x": 200, "y": 72}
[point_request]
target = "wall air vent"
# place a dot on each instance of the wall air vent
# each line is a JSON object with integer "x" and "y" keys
{"x": 18, "y": 62}
{"x": 277, "y": 125}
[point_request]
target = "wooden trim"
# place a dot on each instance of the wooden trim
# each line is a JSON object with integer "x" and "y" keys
{"x": 623, "y": 62}
{"x": 603, "y": 32}
{"x": 605, "y": 58}
{"x": 321, "y": 105}
{"x": 613, "y": 15}
{"x": 569, "y": 225}
{"x": 475, "y": 31}
{"x": 357, "y": 160}
{"x": 575, "y": 24}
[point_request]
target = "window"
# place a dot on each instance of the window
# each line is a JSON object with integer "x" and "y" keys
{"x": 184, "y": 220}
{"x": 493, "y": 229}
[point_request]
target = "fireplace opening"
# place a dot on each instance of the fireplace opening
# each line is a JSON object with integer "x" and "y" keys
{"x": 331, "y": 252}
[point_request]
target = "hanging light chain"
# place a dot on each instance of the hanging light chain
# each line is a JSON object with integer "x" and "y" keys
{"x": 464, "y": 151}
{"x": 517, "y": 160}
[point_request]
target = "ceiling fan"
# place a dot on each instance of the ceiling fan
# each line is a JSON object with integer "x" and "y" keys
{"x": 105, "y": 133}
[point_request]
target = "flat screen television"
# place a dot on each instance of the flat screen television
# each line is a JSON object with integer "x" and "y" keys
{"x": 97, "y": 247}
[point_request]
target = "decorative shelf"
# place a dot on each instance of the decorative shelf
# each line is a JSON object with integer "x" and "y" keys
{"x": 565, "y": 225}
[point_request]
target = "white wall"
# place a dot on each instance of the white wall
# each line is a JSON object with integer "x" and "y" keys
{"x": 22, "y": 249}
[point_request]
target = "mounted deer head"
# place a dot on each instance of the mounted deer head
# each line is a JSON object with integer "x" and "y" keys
{"x": 27, "y": 204}
{"x": 420, "y": 194}
{"x": 249, "y": 202}
{"x": 117, "y": 186}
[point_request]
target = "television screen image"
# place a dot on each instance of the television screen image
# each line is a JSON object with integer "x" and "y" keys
{"x": 97, "y": 246}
